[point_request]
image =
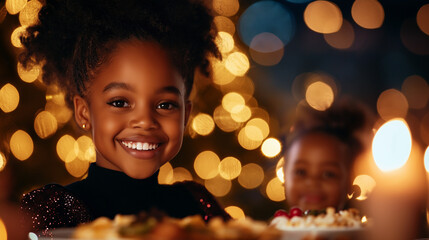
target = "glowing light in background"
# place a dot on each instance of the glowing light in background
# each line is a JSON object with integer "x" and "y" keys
{"x": 181, "y": 174}
{"x": 3, "y": 232}
{"x": 266, "y": 49}
{"x": 241, "y": 113}
{"x": 224, "y": 121}
{"x": 2, "y": 161}
{"x": 392, "y": 104}
{"x": 426, "y": 159}
{"x": 45, "y": 124}
{"x": 165, "y": 175}
{"x": 224, "y": 24}
{"x": 391, "y": 146}
{"x": 416, "y": 90}
{"x": 14, "y": 37}
{"x": 21, "y": 145}
{"x": 250, "y": 137}
{"x": 342, "y": 39}
{"x": 218, "y": 186}
{"x": 323, "y": 17}
{"x": 319, "y": 96}
{"x": 251, "y": 176}
{"x": 237, "y": 63}
{"x": 221, "y": 75}
{"x": 86, "y": 148}
{"x": 266, "y": 16}
{"x": 261, "y": 126}
{"x": 413, "y": 38}
{"x": 229, "y": 168}
{"x": 279, "y": 170}
{"x": 203, "y": 124}
{"x": 423, "y": 18}
{"x": 226, "y": 8}
{"x": 275, "y": 190}
{"x": 271, "y": 147}
{"x": 28, "y": 75}
{"x": 29, "y": 14}
{"x": 368, "y": 13}
{"x": 225, "y": 42}
{"x": 14, "y": 6}
{"x": 424, "y": 128}
{"x": 244, "y": 85}
{"x": 67, "y": 148}
{"x": 77, "y": 167}
{"x": 206, "y": 164}
{"x": 9, "y": 98}
{"x": 303, "y": 81}
{"x": 235, "y": 212}
{"x": 366, "y": 184}
{"x": 233, "y": 101}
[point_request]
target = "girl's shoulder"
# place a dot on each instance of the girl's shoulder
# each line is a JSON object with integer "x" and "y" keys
{"x": 53, "y": 206}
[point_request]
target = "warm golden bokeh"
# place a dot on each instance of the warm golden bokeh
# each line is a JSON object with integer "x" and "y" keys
{"x": 206, "y": 164}
{"x": 203, "y": 124}
{"x": 271, "y": 147}
{"x": 343, "y": 39}
{"x": 28, "y": 75}
{"x": 237, "y": 63}
{"x": 233, "y": 102}
{"x": 426, "y": 159}
{"x": 424, "y": 128}
{"x": 3, "y": 161}
{"x": 391, "y": 146}
{"x": 229, "y": 168}
{"x": 368, "y": 13}
{"x": 248, "y": 137}
{"x": 45, "y": 124}
{"x": 266, "y": 49}
{"x": 226, "y": 8}
{"x": 21, "y": 145}
{"x": 60, "y": 112}
{"x": 218, "y": 186}
{"x": 235, "y": 212}
{"x": 323, "y": 16}
{"x": 14, "y": 37}
{"x": 225, "y": 42}
{"x": 224, "y": 24}
{"x": 279, "y": 169}
{"x": 319, "y": 95}
{"x": 392, "y": 104}
{"x": 221, "y": 75}
{"x": 224, "y": 121}
{"x": 9, "y": 98}
{"x": 366, "y": 184}
{"x": 416, "y": 90}
{"x": 86, "y": 148}
{"x": 241, "y": 113}
{"x": 423, "y": 18}
{"x": 67, "y": 148}
{"x": 251, "y": 176}
{"x": 275, "y": 190}
{"x": 3, "y": 232}
{"x": 181, "y": 174}
{"x": 14, "y": 6}
{"x": 165, "y": 175}
{"x": 29, "y": 14}
{"x": 77, "y": 167}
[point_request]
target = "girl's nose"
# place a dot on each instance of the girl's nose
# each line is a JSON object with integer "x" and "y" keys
{"x": 144, "y": 118}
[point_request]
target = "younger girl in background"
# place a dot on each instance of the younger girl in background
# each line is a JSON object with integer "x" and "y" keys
{"x": 320, "y": 152}
{"x": 127, "y": 68}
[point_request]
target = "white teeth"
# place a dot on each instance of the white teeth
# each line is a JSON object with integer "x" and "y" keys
{"x": 140, "y": 146}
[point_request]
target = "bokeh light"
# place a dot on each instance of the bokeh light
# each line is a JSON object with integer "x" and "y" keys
{"x": 14, "y": 37}
{"x": 226, "y": 8}
{"x": 251, "y": 176}
{"x": 203, "y": 124}
{"x": 86, "y": 148}
{"x": 424, "y": 128}
{"x": 343, "y": 39}
{"x": 67, "y": 148}
{"x": 319, "y": 95}
{"x": 416, "y": 90}
{"x": 391, "y": 145}
{"x": 271, "y": 147}
{"x": 206, "y": 164}
{"x": 165, "y": 175}
{"x": 21, "y": 145}
{"x": 9, "y": 98}
{"x": 225, "y": 42}
{"x": 29, "y": 14}
{"x": 224, "y": 24}
{"x": 224, "y": 121}
{"x": 266, "y": 49}
{"x": 392, "y": 104}
{"x": 303, "y": 81}
{"x": 279, "y": 169}
{"x": 275, "y": 190}
{"x": 250, "y": 137}
{"x": 181, "y": 174}
{"x": 323, "y": 17}
{"x": 235, "y": 212}
{"x": 368, "y": 13}
{"x": 241, "y": 113}
{"x": 3, "y": 161}
{"x": 233, "y": 102}
{"x": 77, "y": 167}
{"x": 45, "y": 124}
{"x": 257, "y": 129}
{"x": 218, "y": 186}
{"x": 3, "y": 232}
{"x": 229, "y": 168}
{"x": 237, "y": 63}
{"x": 266, "y": 16}
{"x": 423, "y": 18}
{"x": 426, "y": 159}
{"x": 243, "y": 85}
{"x": 28, "y": 75}
{"x": 413, "y": 38}
{"x": 366, "y": 184}
{"x": 221, "y": 75}
{"x": 14, "y": 6}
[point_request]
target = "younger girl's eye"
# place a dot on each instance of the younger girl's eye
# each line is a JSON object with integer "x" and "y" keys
{"x": 167, "y": 106}
{"x": 300, "y": 172}
{"x": 329, "y": 174}
{"x": 119, "y": 103}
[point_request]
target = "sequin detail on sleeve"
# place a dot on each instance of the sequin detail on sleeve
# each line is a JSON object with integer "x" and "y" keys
{"x": 53, "y": 207}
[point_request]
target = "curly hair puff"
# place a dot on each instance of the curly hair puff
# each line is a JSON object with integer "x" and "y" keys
{"x": 73, "y": 38}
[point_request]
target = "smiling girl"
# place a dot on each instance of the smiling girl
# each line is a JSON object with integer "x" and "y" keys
{"x": 127, "y": 69}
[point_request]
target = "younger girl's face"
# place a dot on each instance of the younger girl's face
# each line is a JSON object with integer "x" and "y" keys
{"x": 136, "y": 109}
{"x": 316, "y": 176}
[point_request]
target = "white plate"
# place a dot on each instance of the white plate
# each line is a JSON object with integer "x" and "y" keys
{"x": 56, "y": 234}
{"x": 325, "y": 233}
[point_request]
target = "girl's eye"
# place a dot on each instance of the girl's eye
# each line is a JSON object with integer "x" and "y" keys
{"x": 300, "y": 172}
{"x": 119, "y": 103}
{"x": 329, "y": 174}
{"x": 167, "y": 106}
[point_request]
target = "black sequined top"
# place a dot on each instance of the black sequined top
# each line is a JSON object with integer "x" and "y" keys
{"x": 107, "y": 192}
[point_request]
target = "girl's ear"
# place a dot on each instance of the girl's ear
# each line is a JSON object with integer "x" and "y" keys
{"x": 81, "y": 112}
{"x": 188, "y": 108}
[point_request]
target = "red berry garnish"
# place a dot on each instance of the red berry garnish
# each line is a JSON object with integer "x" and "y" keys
{"x": 280, "y": 213}
{"x": 295, "y": 211}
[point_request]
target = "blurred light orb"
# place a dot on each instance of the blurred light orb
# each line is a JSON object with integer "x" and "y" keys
{"x": 224, "y": 24}
{"x": 203, "y": 124}
{"x": 15, "y": 6}
{"x": 206, "y": 165}
{"x": 77, "y": 167}
{"x": 232, "y": 100}
{"x": 391, "y": 145}
{"x": 260, "y": 124}
{"x": 9, "y": 98}
{"x": 226, "y": 8}
{"x": 343, "y": 39}
{"x": 252, "y": 142}
{"x": 303, "y": 81}
{"x": 29, "y": 14}
{"x": 14, "y": 37}
{"x": 279, "y": 169}
{"x": 241, "y": 113}
{"x": 368, "y": 14}
{"x": 251, "y": 176}
{"x": 224, "y": 42}
{"x": 45, "y": 124}
{"x": 237, "y": 63}
{"x": 266, "y": 49}
{"x": 3, "y": 232}
{"x": 218, "y": 186}
{"x": 392, "y": 104}
{"x": 181, "y": 174}
{"x": 426, "y": 159}
{"x": 235, "y": 212}
{"x": 271, "y": 147}
{"x": 366, "y": 184}
{"x": 319, "y": 95}
{"x": 165, "y": 175}
{"x": 323, "y": 17}
{"x": 266, "y": 17}
{"x": 2, "y": 161}
{"x": 229, "y": 168}
{"x": 21, "y": 145}
{"x": 243, "y": 85}
{"x": 61, "y": 113}
{"x": 224, "y": 121}
{"x": 221, "y": 75}
{"x": 423, "y": 18}
{"x": 424, "y": 128}
{"x": 413, "y": 38}
{"x": 416, "y": 90}
{"x": 275, "y": 190}
{"x": 28, "y": 75}
{"x": 253, "y": 133}
{"x": 67, "y": 148}
{"x": 86, "y": 148}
